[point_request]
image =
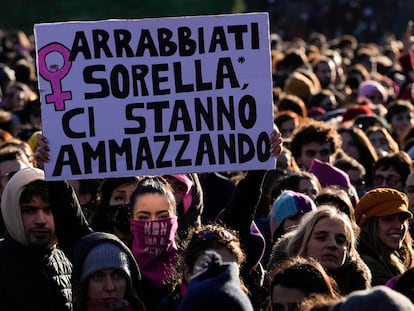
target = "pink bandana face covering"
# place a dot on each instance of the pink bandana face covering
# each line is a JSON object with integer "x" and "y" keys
{"x": 154, "y": 248}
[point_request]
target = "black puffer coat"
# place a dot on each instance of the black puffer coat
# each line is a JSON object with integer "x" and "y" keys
{"x": 32, "y": 279}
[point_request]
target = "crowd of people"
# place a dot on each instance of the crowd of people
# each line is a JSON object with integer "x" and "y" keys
{"x": 330, "y": 228}
{"x": 368, "y": 20}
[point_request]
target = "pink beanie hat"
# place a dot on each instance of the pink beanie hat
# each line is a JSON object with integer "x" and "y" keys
{"x": 366, "y": 88}
{"x": 329, "y": 175}
{"x": 188, "y": 196}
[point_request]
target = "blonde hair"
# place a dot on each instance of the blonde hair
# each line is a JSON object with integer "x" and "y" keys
{"x": 297, "y": 244}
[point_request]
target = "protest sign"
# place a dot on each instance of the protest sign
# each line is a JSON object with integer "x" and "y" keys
{"x": 156, "y": 96}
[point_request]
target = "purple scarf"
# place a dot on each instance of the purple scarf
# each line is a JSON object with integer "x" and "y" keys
{"x": 154, "y": 248}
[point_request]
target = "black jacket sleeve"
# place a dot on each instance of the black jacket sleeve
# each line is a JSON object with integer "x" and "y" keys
{"x": 240, "y": 210}
{"x": 70, "y": 222}
{"x": 239, "y": 214}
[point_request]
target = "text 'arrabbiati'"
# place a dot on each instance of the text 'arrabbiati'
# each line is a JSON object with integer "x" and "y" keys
{"x": 183, "y": 42}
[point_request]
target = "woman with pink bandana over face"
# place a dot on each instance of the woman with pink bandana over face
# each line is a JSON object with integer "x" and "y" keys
{"x": 153, "y": 224}
{"x": 154, "y": 227}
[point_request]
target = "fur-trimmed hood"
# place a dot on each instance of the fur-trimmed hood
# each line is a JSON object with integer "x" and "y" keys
{"x": 353, "y": 275}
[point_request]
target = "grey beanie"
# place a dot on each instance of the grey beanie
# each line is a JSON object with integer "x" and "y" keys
{"x": 105, "y": 256}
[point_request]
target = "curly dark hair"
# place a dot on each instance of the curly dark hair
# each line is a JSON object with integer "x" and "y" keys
{"x": 314, "y": 131}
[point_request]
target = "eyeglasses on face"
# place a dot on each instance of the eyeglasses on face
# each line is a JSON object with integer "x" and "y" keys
{"x": 391, "y": 180}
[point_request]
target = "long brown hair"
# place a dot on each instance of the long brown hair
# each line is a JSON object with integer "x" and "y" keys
{"x": 399, "y": 260}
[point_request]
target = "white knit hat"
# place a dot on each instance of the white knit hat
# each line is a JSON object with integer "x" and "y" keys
{"x": 106, "y": 256}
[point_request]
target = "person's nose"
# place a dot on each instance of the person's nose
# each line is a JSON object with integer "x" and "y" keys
{"x": 40, "y": 217}
{"x": 398, "y": 223}
{"x": 332, "y": 243}
{"x": 109, "y": 284}
{"x": 383, "y": 184}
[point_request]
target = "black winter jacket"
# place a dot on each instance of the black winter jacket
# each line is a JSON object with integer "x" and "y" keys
{"x": 33, "y": 280}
